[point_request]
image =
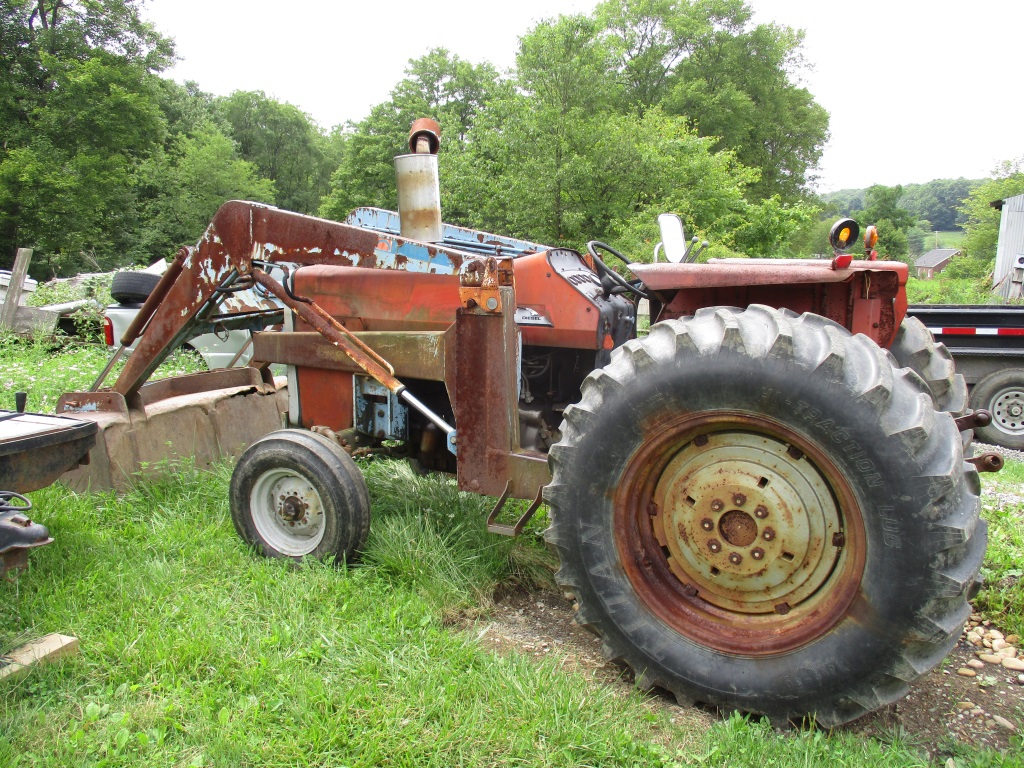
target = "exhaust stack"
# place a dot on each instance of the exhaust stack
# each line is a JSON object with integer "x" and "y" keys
{"x": 419, "y": 191}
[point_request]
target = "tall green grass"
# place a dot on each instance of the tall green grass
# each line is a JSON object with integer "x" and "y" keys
{"x": 1001, "y": 598}
{"x": 47, "y": 367}
{"x": 196, "y": 651}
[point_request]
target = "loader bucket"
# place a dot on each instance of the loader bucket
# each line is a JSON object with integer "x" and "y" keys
{"x": 202, "y": 417}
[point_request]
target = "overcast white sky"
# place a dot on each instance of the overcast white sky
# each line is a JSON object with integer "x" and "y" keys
{"x": 917, "y": 89}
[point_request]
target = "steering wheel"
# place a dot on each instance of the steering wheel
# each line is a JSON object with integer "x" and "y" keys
{"x": 605, "y": 271}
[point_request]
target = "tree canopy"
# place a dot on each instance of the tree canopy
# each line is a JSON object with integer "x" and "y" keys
{"x": 606, "y": 119}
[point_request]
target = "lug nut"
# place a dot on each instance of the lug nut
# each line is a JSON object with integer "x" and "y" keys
{"x": 706, "y": 524}
{"x": 717, "y": 505}
{"x": 714, "y": 545}
{"x": 761, "y": 511}
{"x": 739, "y": 499}
{"x": 768, "y": 534}
{"x": 757, "y": 553}
{"x": 735, "y": 558}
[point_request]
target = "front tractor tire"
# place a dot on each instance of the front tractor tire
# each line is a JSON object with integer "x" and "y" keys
{"x": 759, "y": 511}
{"x": 297, "y": 494}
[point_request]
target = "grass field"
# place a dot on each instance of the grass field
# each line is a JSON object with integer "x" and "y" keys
{"x": 196, "y": 652}
{"x": 951, "y": 239}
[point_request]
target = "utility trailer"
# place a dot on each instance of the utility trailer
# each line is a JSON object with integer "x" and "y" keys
{"x": 756, "y": 505}
{"x": 987, "y": 343}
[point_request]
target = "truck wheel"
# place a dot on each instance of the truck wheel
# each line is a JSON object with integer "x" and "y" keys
{"x": 296, "y": 494}
{"x": 759, "y": 511}
{"x": 132, "y": 287}
{"x": 1002, "y": 394}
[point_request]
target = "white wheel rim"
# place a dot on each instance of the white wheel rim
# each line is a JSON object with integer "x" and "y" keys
{"x": 287, "y": 512}
{"x": 1008, "y": 410}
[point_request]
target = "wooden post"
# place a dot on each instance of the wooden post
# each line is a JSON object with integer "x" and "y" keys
{"x": 10, "y": 305}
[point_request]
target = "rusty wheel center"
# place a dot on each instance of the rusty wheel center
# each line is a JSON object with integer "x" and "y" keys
{"x": 738, "y": 528}
{"x": 292, "y": 508}
{"x": 741, "y": 538}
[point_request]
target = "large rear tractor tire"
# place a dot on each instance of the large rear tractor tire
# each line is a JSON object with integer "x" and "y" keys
{"x": 915, "y": 348}
{"x": 758, "y": 511}
{"x": 297, "y": 494}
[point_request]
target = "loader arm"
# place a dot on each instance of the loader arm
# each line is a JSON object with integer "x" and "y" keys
{"x": 241, "y": 236}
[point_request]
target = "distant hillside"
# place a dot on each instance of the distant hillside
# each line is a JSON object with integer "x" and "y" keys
{"x": 935, "y": 201}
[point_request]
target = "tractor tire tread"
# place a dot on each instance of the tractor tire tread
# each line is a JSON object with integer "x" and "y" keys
{"x": 863, "y": 370}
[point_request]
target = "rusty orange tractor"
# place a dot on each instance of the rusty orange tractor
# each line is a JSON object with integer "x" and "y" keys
{"x": 761, "y": 504}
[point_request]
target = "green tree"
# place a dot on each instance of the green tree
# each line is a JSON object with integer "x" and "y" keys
{"x": 438, "y": 85}
{"x": 739, "y": 83}
{"x": 283, "y": 143}
{"x": 884, "y": 210}
{"x": 69, "y": 191}
{"x": 80, "y": 114}
{"x": 187, "y": 184}
{"x": 981, "y": 228}
{"x": 733, "y": 80}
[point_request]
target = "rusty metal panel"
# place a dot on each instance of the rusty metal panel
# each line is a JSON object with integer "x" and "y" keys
{"x": 470, "y": 240}
{"x": 325, "y": 398}
{"x": 414, "y": 355}
{"x": 203, "y": 428}
{"x": 740, "y": 272}
{"x": 560, "y": 287}
{"x": 382, "y": 300}
{"x": 486, "y": 407}
{"x": 242, "y": 233}
{"x": 865, "y": 302}
{"x": 196, "y": 383}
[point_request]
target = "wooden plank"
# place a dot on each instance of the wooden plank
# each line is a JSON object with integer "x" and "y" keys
{"x": 10, "y": 305}
{"x": 42, "y": 651}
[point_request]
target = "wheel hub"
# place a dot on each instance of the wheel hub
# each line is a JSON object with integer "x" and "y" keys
{"x": 287, "y": 512}
{"x": 1008, "y": 411}
{"x": 772, "y": 520}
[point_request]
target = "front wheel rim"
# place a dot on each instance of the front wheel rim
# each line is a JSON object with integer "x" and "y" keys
{"x": 287, "y": 511}
{"x": 739, "y": 534}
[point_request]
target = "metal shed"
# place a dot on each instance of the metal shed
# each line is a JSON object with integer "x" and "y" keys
{"x": 1008, "y": 280}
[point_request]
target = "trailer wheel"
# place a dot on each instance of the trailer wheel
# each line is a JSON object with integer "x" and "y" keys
{"x": 1002, "y": 394}
{"x": 759, "y": 511}
{"x": 297, "y": 494}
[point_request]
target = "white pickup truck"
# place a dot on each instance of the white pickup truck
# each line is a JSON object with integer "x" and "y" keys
{"x": 219, "y": 349}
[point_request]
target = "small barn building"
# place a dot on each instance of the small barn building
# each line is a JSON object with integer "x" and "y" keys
{"x": 933, "y": 262}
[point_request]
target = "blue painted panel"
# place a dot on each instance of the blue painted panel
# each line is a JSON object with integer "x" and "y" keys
{"x": 469, "y": 241}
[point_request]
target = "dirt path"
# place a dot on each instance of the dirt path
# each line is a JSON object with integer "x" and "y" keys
{"x": 982, "y": 710}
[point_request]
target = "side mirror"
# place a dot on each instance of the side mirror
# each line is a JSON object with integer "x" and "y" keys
{"x": 673, "y": 239}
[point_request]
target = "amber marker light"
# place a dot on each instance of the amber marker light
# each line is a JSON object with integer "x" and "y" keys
{"x": 843, "y": 232}
{"x": 870, "y": 238}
